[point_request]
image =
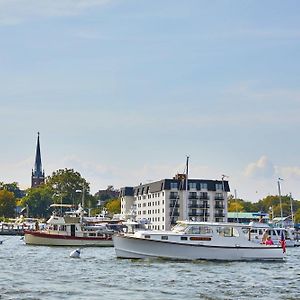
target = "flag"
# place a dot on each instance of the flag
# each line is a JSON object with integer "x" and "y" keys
{"x": 282, "y": 241}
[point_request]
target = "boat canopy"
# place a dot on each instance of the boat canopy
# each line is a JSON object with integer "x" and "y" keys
{"x": 61, "y": 205}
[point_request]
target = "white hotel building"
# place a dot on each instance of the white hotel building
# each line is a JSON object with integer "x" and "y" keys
{"x": 166, "y": 201}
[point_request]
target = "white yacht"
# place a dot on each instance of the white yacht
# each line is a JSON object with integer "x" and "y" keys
{"x": 190, "y": 240}
{"x": 70, "y": 229}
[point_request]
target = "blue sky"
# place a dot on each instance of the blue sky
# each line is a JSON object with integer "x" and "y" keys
{"x": 123, "y": 90}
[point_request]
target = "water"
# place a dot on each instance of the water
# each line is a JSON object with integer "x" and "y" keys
{"x": 37, "y": 272}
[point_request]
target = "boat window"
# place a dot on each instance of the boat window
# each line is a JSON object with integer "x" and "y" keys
{"x": 164, "y": 237}
{"x": 183, "y": 238}
{"x": 147, "y": 236}
{"x": 92, "y": 234}
{"x": 199, "y": 230}
{"x": 227, "y": 231}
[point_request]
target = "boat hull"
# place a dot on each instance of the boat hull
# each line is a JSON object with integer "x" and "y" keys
{"x": 132, "y": 247}
{"x": 45, "y": 239}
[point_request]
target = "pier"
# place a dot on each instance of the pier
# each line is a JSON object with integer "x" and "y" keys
{"x": 11, "y": 229}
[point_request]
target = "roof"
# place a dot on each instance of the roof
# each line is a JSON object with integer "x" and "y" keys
{"x": 245, "y": 215}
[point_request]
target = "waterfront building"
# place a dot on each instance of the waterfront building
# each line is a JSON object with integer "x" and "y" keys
{"x": 37, "y": 174}
{"x": 166, "y": 201}
{"x": 247, "y": 217}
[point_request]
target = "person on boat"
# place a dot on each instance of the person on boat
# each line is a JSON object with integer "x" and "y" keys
{"x": 269, "y": 241}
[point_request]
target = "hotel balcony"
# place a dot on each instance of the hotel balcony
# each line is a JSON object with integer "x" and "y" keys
{"x": 219, "y": 197}
{"x": 174, "y": 204}
{"x": 219, "y": 214}
{"x": 174, "y": 214}
{"x": 219, "y": 206}
{"x": 199, "y": 214}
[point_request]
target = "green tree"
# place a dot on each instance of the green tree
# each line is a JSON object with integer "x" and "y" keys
{"x": 12, "y": 187}
{"x": 297, "y": 216}
{"x": 113, "y": 206}
{"x": 37, "y": 201}
{"x": 68, "y": 186}
{"x": 7, "y": 203}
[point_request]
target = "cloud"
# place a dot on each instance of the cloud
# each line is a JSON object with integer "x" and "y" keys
{"x": 262, "y": 168}
{"x": 14, "y": 12}
{"x": 290, "y": 172}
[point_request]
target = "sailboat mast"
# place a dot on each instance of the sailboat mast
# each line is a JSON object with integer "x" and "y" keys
{"x": 292, "y": 213}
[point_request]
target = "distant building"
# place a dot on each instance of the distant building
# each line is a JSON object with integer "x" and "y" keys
{"x": 37, "y": 175}
{"x": 247, "y": 217}
{"x": 164, "y": 202}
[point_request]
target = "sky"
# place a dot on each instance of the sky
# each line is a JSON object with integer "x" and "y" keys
{"x": 123, "y": 90}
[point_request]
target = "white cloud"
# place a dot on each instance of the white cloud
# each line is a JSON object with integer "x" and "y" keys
{"x": 262, "y": 168}
{"x": 17, "y": 11}
{"x": 290, "y": 172}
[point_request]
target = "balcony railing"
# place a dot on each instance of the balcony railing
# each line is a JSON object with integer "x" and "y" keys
{"x": 198, "y": 214}
{"x": 193, "y": 197}
{"x": 174, "y": 204}
{"x": 219, "y": 197}
{"x": 174, "y": 214}
{"x": 203, "y": 197}
{"x": 174, "y": 196}
{"x": 219, "y": 215}
{"x": 219, "y": 206}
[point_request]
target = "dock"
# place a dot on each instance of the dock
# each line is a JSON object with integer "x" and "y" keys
{"x": 11, "y": 229}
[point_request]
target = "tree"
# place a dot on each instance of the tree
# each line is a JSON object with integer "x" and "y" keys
{"x": 235, "y": 206}
{"x": 7, "y": 203}
{"x": 113, "y": 206}
{"x": 38, "y": 201}
{"x": 297, "y": 216}
{"x": 12, "y": 187}
{"x": 67, "y": 186}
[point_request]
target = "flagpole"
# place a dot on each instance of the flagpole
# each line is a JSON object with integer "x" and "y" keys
{"x": 279, "y": 192}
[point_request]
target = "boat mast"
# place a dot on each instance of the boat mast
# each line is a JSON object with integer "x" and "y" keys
{"x": 186, "y": 187}
{"x": 292, "y": 213}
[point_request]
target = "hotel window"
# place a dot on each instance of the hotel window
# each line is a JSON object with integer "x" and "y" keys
{"x": 203, "y": 186}
{"x": 192, "y": 185}
{"x": 219, "y": 187}
{"x": 173, "y": 185}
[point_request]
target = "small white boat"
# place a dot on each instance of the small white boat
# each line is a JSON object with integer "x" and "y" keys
{"x": 70, "y": 230}
{"x": 190, "y": 240}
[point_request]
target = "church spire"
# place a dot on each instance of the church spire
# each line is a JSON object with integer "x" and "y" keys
{"x": 38, "y": 176}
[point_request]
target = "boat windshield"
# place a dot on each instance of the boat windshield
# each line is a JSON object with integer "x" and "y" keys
{"x": 199, "y": 229}
{"x": 179, "y": 228}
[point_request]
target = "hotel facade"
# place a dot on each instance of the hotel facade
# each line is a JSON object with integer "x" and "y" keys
{"x": 166, "y": 201}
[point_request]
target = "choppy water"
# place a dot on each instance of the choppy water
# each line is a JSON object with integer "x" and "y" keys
{"x": 37, "y": 272}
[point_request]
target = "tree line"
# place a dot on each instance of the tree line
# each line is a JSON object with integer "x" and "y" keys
{"x": 64, "y": 186}
{"x": 270, "y": 204}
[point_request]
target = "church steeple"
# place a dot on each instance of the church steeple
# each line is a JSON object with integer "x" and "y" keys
{"x": 38, "y": 175}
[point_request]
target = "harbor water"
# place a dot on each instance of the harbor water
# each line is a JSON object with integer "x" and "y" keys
{"x": 40, "y": 272}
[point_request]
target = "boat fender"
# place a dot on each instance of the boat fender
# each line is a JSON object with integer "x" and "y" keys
{"x": 75, "y": 253}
